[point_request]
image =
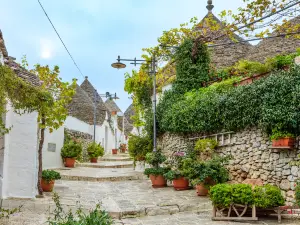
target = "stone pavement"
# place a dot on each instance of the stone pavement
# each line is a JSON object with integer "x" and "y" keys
{"x": 99, "y": 174}
{"x": 190, "y": 218}
{"x": 130, "y": 201}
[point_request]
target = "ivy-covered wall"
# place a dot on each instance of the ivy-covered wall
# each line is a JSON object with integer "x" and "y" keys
{"x": 252, "y": 158}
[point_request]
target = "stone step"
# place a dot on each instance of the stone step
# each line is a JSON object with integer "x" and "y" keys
{"x": 99, "y": 174}
{"x": 108, "y": 164}
{"x": 116, "y": 158}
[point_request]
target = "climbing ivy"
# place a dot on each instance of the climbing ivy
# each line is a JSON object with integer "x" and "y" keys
{"x": 267, "y": 103}
{"x": 23, "y": 96}
{"x": 192, "y": 66}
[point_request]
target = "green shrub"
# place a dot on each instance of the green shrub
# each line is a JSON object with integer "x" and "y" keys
{"x": 50, "y": 175}
{"x": 95, "y": 150}
{"x": 248, "y": 68}
{"x": 155, "y": 158}
{"x": 221, "y": 195}
{"x": 297, "y": 193}
{"x": 206, "y": 145}
{"x": 71, "y": 150}
{"x": 172, "y": 175}
{"x": 267, "y": 196}
{"x": 242, "y": 194}
{"x": 139, "y": 146}
{"x": 280, "y": 61}
{"x": 205, "y": 172}
{"x": 156, "y": 171}
{"x": 266, "y": 103}
{"x": 95, "y": 216}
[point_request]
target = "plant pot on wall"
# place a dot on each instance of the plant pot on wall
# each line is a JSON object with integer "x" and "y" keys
{"x": 158, "y": 181}
{"x": 181, "y": 184}
{"x": 288, "y": 142}
{"x": 69, "y": 162}
{"x": 115, "y": 151}
{"x": 94, "y": 160}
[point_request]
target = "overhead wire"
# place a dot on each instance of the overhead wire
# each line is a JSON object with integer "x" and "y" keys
{"x": 61, "y": 40}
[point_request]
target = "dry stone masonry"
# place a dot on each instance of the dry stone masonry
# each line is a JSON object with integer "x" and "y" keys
{"x": 252, "y": 158}
{"x": 84, "y": 138}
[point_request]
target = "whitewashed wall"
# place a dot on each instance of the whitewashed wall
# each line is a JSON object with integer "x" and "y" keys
{"x": 20, "y": 155}
{"x": 73, "y": 123}
{"x": 52, "y": 148}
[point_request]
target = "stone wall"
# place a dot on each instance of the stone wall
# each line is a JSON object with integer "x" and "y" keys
{"x": 84, "y": 138}
{"x": 253, "y": 158}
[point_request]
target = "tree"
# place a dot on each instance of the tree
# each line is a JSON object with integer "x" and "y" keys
{"x": 24, "y": 97}
{"x": 52, "y": 117}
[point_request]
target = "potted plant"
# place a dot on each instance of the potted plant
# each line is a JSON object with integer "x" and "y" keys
{"x": 204, "y": 174}
{"x": 114, "y": 151}
{"x": 70, "y": 151}
{"x": 180, "y": 183}
{"x": 138, "y": 147}
{"x": 174, "y": 174}
{"x": 282, "y": 139}
{"x": 123, "y": 148}
{"x": 94, "y": 151}
{"x": 156, "y": 172}
{"x": 48, "y": 179}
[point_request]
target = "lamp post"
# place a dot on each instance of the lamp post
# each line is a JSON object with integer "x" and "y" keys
{"x": 106, "y": 95}
{"x": 119, "y": 65}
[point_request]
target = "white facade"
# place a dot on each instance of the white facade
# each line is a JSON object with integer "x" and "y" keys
{"x": 19, "y": 158}
{"x": 53, "y": 144}
{"x": 104, "y": 134}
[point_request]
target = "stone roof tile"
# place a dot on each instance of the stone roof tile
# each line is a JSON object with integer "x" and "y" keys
{"x": 101, "y": 108}
{"x": 82, "y": 106}
{"x": 129, "y": 113}
{"x": 112, "y": 106}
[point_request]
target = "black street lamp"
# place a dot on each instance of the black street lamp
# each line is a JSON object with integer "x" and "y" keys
{"x": 119, "y": 65}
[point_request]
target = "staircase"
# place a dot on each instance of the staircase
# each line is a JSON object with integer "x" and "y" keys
{"x": 109, "y": 168}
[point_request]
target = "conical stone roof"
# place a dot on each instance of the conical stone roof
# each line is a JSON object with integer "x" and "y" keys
{"x": 112, "y": 106}
{"x": 101, "y": 109}
{"x": 81, "y": 106}
{"x": 129, "y": 113}
{"x": 225, "y": 55}
{"x": 128, "y": 127}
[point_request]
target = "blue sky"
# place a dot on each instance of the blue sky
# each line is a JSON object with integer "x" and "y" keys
{"x": 96, "y": 32}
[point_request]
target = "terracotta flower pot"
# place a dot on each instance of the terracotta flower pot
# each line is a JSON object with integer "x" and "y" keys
{"x": 181, "y": 184}
{"x": 115, "y": 151}
{"x": 158, "y": 181}
{"x": 47, "y": 186}
{"x": 201, "y": 190}
{"x": 284, "y": 142}
{"x": 70, "y": 162}
{"x": 94, "y": 160}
